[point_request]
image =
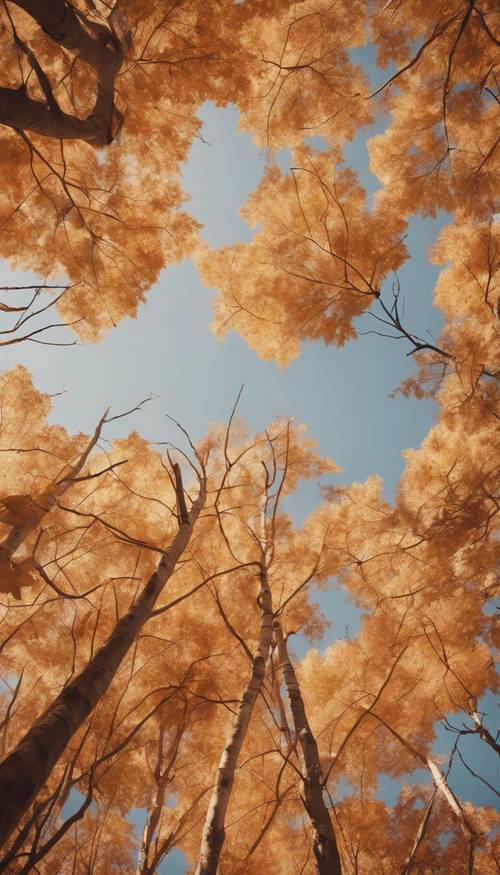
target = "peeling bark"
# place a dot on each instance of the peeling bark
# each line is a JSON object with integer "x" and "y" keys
{"x": 325, "y": 844}
{"x": 24, "y": 772}
{"x": 214, "y": 826}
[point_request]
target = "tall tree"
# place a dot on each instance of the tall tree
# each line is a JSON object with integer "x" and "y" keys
{"x": 153, "y": 740}
{"x": 325, "y": 845}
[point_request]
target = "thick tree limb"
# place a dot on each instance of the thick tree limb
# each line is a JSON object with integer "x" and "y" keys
{"x": 95, "y": 45}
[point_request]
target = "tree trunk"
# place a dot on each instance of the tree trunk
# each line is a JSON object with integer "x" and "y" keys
{"x": 421, "y": 832}
{"x": 24, "y": 772}
{"x": 325, "y": 845}
{"x": 17, "y": 110}
{"x": 214, "y": 827}
{"x": 163, "y": 777}
{"x": 444, "y": 790}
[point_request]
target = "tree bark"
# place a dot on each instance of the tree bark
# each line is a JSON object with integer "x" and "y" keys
{"x": 59, "y": 21}
{"x": 214, "y": 828}
{"x": 162, "y": 776}
{"x": 17, "y": 110}
{"x": 325, "y": 844}
{"x": 484, "y": 733}
{"x": 410, "y": 862}
{"x": 103, "y": 52}
{"x": 448, "y": 794}
{"x": 24, "y": 772}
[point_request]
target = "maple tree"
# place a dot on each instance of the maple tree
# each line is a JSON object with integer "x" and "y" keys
{"x": 150, "y": 598}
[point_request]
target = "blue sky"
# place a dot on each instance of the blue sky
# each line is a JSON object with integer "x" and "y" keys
{"x": 169, "y": 352}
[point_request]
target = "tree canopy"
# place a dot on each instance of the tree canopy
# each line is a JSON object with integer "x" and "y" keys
{"x": 161, "y": 640}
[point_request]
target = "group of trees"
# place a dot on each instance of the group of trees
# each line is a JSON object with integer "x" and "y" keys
{"x": 150, "y": 595}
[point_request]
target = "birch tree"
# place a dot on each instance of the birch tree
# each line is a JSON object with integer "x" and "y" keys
{"x": 325, "y": 845}
{"x": 153, "y": 738}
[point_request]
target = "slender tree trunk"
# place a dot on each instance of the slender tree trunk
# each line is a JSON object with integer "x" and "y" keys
{"x": 163, "y": 777}
{"x": 421, "y": 832}
{"x": 154, "y": 814}
{"x": 444, "y": 790}
{"x": 163, "y": 847}
{"x": 24, "y": 772}
{"x": 214, "y": 827}
{"x": 325, "y": 845}
{"x": 447, "y": 793}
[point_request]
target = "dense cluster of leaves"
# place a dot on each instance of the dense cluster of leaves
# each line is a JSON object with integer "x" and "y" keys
{"x": 149, "y": 600}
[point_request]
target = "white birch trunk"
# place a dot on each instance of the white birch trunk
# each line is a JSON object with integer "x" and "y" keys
{"x": 325, "y": 844}
{"x": 214, "y": 826}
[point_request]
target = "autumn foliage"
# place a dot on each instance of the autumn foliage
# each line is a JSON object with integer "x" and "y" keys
{"x": 160, "y": 632}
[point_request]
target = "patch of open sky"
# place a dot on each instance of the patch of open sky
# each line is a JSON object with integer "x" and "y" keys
{"x": 342, "y": 790}
{"x": 223, "y": 169}
{"x": 356, "y": 156}
{"x": 366, "y": 57}
{"x": 8, "y": 683}
{"x": 389, "y": 788}
{"x": 343, "y": 616}
{"x": 317, "y": 143}
{"x": 476, "y": 754}
{"x": 492, "y": 607}
{"x": 73, "y": 803}
{"x": 355, "y": 151}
